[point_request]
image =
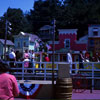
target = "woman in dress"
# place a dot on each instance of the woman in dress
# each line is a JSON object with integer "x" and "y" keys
{"x": 26, "y": 60}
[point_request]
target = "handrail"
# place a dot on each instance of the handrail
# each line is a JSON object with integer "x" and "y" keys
{"x": 37, "y": 72}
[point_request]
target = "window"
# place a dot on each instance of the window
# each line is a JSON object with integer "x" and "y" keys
{"x": 95, "y": 31}
{"x": 91, "y": 42}
{"x": 24, "y": 44}
{"x": 18, "y": 44}
{"x": 67, "y": 43}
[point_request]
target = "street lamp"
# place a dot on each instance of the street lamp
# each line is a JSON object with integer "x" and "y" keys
{"x": 53, "y": 51}
{"x": 5, "y": 40}
{"x": 53, "y": 56}
{"x": 6, "y": 31}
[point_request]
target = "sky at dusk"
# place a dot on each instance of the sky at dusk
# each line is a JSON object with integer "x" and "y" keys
{"x": 24, "y": 5}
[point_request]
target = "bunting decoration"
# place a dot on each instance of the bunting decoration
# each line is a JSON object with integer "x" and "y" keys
{"x": 29, "y": 91}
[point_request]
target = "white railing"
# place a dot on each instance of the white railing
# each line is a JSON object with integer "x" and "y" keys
{"x": 43, "y": 70}
{"x": 39, "y": 70}
{"x": 91, "y": 71}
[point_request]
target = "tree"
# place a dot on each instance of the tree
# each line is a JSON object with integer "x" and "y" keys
{"x": 80, "y": 13}
{"x": 68, "y": 14}
{"x": 2, "y": 27}
{"x": 17, "y": 19}
{"x": 43, "y": 13}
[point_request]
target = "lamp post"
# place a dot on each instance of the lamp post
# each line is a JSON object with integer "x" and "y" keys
{"x": 7, "y": 28}
{"x": 53, "y": 51}
{"x": 5, "y": 40}
{"x": 53, "y": 57}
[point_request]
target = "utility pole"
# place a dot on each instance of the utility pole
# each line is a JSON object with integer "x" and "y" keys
{"x": 53, "y": 51}
{"x": 7, "y": 28}
{"x": 5, "y": 40}
{"x": 53, "y": 56}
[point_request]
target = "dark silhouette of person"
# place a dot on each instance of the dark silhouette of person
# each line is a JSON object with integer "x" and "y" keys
{"x": 81, "y": 59}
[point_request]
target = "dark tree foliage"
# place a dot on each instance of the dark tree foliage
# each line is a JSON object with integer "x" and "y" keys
{"x": 68, "y": 14}
{"x": 44, "y": 12}
{"x": 2, "y": 27}
{"x": 18, "y": 22}
{"x": 81, "y": 13}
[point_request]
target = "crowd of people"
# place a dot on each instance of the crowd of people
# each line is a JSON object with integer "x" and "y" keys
{"x": 89, "y": 57}
{"x": 83, "y": 57}
{"x": 28, "y": 56}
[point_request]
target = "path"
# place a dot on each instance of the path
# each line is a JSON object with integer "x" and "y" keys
{"x": 86, "y": 95}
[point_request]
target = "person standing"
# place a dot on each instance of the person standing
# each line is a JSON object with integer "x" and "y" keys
{"x": 97, "y": 57}
{"x": 87, "y": 57}
{"x": 8, "y": 84}
{"x": 12, "y": 58}
{"x": 33, "y": 61}
{"x": 81, "y": 60}
{"x": 47, "y": 58}
{"x": 30, "y": 58}
{"x": 18, "y": 55}
{"x": 69, "y": 60}
{"x": 26, "y": 60}
{"x": 33, "y": 56}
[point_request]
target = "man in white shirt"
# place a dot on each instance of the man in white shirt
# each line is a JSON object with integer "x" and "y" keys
{"x": 12, "y": 58}
{"x": 69, "y": 60}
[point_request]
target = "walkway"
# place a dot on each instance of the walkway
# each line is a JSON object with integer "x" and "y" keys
{"x": 86, "y": 95}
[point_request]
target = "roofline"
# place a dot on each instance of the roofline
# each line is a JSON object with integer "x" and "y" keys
{"x": 67, "y": 29}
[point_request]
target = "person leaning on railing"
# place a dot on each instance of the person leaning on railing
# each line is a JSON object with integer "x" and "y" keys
{"x": 8, "y": 84}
